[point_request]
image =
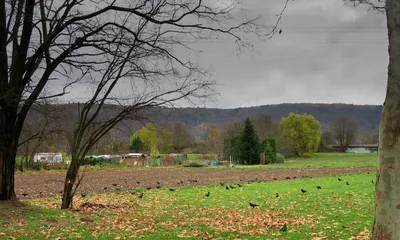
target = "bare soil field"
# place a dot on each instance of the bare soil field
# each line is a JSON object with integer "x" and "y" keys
{"x": 45, "y": 184}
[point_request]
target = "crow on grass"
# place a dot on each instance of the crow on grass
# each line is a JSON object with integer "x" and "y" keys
{"x": 141, "y": 195}
{"x": 172, "y": 190}
{"x": 158, "y": 182}
{"x": 24, "y": 194}
{"x": 208, "y": 194}
{"x": 347, "y": 183}
{"x": 158, "y": 187}
{"x": 339, "y": 179}
{"x": 253, "y": 205}
{"x": 318, "y": 187}
{"x": 303, "y": 190}
{"x": 372, "y": 181}
{"x": 284, "y": 228}
{"x": 114, "y": 184}
{"x": 83, "y": 195}
{"x": 104, "y": 188}
{"x": 231, "y": 186}
{"x": 275, "y": 178}
{"x": 239, "y": 185}
{"x": 276, "y": 195}
{"x": 227, "y": 188}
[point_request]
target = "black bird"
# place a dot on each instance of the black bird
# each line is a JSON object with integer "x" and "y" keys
{"x": 138, "y": 182}
{"x": 239, "y": 185}
{"x": 24, "y": 194}
{"x": 367, "y": 172}
{"x": 114, "y": 184}
{"x": 171, "y": 189}
{"x": 253, "y": 205}
{"x": 126, "y": 181}
{"x": 148, "y": 188}
{"x": 276, "y": 195}
{"x": 231, "y": 186}
{"x": 294, "y": 177}
{"x": 280, "y": 31}
{"x": 141, "y": 195}
{"x": 372, "y": 181}
{"x": 318, "y": 187}
{"x": 287, "y": 177}
{"x": 284, "y": 228}
{"x": 158, "y": 187}
{"x": 133, "y": 193}
{"x": 105, "y": 188}
{"x": 347, "y": 183}
{"x": 181, "y": 182}
{"x": 227, "y": 188}
{"x": 339, "y": 179}
{"x": 83, "y": 195}
{"x": 158, "y": 182}
{"x": 208, "y": 194}
{"x": 118, "y": 189}
{"x": 275, "y": 178}
{"x": 303, "y": 191}
{"x": 60, "y": 192}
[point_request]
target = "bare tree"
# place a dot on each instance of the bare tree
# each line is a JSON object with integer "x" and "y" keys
{"x": 344, "y": 131}
{"x": 265, "y": 127}
{"x": 181, "y": 136}
{"x": 65, "y": 42}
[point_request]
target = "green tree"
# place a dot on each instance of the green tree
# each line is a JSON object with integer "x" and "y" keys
{"x": 165, "y": 142}
{"x": 136, "y": 144}
{"x": 148, "y": 136}
{"x": 304, "y": 130}
{"x": 249, "y": 144}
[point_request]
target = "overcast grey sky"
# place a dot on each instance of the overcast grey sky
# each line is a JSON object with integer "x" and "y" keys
{"x": 328, "y": 52}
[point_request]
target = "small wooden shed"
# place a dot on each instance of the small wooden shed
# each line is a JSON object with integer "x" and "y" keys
{"x": 134, "y": 159}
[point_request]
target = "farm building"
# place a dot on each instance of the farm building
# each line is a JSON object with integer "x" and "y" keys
{"x": 48, "y": 157}
{"x": 134, "y": 159}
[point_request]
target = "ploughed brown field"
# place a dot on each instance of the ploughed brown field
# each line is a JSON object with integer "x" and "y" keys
{"x": 45, "y": 184}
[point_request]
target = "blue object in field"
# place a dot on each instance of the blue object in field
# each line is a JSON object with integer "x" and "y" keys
{"x": 213, "y": 163}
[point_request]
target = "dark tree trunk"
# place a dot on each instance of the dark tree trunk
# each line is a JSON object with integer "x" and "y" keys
{"x": 8, "y": 151}
{"x": 70, "y": 180}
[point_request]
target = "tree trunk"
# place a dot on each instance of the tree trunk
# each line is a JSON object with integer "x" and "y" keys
{"x": 387, "y": 196}
{"x": 69, "y": 183}
{"x": 8, "y": 152}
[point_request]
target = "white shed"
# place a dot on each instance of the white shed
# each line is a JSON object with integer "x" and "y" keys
{"x": 48, "y": 157}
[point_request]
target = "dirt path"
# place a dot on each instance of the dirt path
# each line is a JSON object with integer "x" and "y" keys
{"x": 36, "y": 185}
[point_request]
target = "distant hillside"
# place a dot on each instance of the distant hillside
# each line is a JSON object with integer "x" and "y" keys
{"x": 198, "y": 119}
{"x": 366, "y": 116}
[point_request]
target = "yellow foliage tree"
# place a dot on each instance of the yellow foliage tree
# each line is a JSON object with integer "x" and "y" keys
{"x": 304, "y": 130}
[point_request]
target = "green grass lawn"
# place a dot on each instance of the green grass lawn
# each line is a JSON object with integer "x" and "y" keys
{"x": 327, "y": 160}
{"x": 337, "y": 211}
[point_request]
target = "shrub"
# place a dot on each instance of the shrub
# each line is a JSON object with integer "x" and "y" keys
{"x": 193, "y": 164}
{"x": 280, "y": 158}
{"x": 100, "y": 161}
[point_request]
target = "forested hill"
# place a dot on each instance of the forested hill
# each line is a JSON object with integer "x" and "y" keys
{"x": 367, "y": 117}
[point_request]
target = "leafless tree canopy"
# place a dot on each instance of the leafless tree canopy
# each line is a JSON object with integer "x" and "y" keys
{"x": 344, "y": 130}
